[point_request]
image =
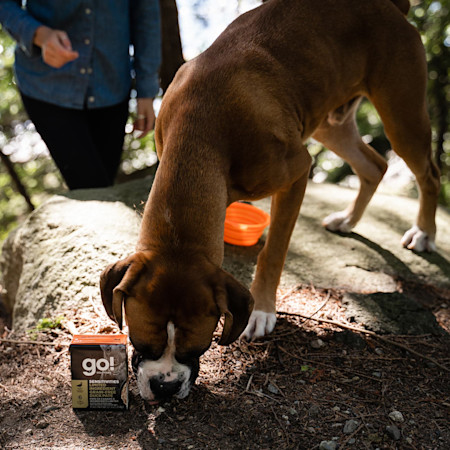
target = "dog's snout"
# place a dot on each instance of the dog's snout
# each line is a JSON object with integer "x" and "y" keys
{"x": 162, "y": 389}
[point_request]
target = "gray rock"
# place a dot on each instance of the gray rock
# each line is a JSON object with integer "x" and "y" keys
{"x": 392, "y": 313}
{"x": 350, "y": 426}
{"x": 314, "y": 411}
{"x": 396, "y": 416}
{"x": 393, "y": 432}
{"x": 317, "y": 343}
{"x": 52, "y": 262}
{"x": 328, "y": 445}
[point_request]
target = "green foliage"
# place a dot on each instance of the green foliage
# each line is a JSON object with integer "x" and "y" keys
{"x": 40, "y": 178}
{"x": 48, "y": 323}
{"x": 44, "y": 325}
{"x": 11, "y": 111}
{"x": 432, "y": 19}
{"x": 138, "y": 153}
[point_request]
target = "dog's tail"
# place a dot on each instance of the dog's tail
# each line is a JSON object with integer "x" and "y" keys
{"x": 402, "y": 5}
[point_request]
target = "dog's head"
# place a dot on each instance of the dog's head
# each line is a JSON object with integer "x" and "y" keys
{"x": 172, "y": 307}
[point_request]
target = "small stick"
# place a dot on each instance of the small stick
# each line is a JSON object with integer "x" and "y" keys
{"x": 261, "y": 394}
{"x": 286, "y": 436}
{"x": 70, "y": 327}
{"x": 324, "y": 303}
{"x": 249, "y": 383}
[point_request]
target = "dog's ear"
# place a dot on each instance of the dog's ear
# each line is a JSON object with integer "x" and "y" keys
{"x": 116, "y": 281}
{"x": 236, "y": 303}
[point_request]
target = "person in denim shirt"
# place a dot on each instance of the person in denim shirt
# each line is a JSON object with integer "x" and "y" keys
{"x": 75, "y": 63}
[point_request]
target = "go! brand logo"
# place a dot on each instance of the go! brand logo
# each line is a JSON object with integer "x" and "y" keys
{"x": 93, "y": 366}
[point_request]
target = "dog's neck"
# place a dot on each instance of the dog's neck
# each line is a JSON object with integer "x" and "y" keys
{"x": 185, "y": 211}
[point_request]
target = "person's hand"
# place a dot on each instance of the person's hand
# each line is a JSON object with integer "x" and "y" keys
{"x": 145, "y": 119}
{"x": 55, "y": 45}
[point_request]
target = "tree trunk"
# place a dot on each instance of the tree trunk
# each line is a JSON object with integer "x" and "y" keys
{"x": 19, "y": 186}
{"x": 172, "y": 54}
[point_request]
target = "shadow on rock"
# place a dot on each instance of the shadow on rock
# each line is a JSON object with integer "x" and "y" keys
{"x": 390, "y": 313}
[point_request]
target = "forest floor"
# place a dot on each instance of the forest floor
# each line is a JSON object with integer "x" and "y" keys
{"x": 313, "y": 383}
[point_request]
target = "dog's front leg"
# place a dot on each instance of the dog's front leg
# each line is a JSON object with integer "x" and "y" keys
{"x": 284, "y": 212}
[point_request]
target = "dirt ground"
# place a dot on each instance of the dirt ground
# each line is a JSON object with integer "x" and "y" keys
{"x": 311, "y": 384}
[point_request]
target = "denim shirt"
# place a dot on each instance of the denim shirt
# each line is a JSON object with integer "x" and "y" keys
{"x": 102, "y": 32}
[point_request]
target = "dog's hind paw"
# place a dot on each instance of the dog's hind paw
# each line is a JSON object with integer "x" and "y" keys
{"x": 418, "y": 240}
{"x": 259, "y": 324}
{"x": 338, "y": 221}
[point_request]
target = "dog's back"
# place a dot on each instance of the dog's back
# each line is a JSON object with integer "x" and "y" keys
{"x": 270, "y": 55}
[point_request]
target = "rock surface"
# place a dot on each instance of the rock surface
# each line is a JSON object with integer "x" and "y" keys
{"x": 390, "y": 312}
{"x": 53, "y": 260}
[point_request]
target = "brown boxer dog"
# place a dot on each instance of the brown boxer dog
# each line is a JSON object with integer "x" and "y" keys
{"x": 233, "y": 125}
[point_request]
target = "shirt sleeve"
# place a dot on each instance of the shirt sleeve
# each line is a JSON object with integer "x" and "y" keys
{"x": 19, "y": 24}
{"x": 145, "y": 24}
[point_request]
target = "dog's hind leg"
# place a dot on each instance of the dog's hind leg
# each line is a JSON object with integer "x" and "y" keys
{"x": 407, "y": 126}
{"x": 285, "y": 208}
{"x": 339, "y": 133}
{"x": 401, "y": 104}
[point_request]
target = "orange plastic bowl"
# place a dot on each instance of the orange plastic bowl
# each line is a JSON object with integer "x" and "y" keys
{"x": 244, "y": 224}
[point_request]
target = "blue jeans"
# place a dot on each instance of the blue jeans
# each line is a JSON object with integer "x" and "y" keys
{"x": 86, "y": 145}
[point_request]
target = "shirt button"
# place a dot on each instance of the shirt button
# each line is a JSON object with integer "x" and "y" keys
{"x": 82, "y": 71}
{"x": 91, "y": 99}
{"x": 87, "y": 41}
{"x": 88, "y": 11}
{"x": 89, "y": 71}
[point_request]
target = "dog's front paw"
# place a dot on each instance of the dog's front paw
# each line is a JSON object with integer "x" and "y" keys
{"x": 338, "y": 221}
{"x": 259, "y": 324}
{"x": 416, "y": 239}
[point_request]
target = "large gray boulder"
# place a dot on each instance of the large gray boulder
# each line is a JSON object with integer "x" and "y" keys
{"x": 53, "y": 261}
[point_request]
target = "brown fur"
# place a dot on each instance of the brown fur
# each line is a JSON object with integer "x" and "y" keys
{"x": 233, "y": 126}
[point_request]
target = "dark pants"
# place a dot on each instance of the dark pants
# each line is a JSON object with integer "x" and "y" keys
{"x": 86, "y": 145}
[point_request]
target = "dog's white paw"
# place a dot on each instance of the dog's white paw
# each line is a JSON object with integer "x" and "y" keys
{"x": 338, "y": 221}
{"x": 259, "y": 324}
{"x": 418, "y": 240}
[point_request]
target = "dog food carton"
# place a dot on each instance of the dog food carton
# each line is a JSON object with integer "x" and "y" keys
{"x": 99, "y": 365}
